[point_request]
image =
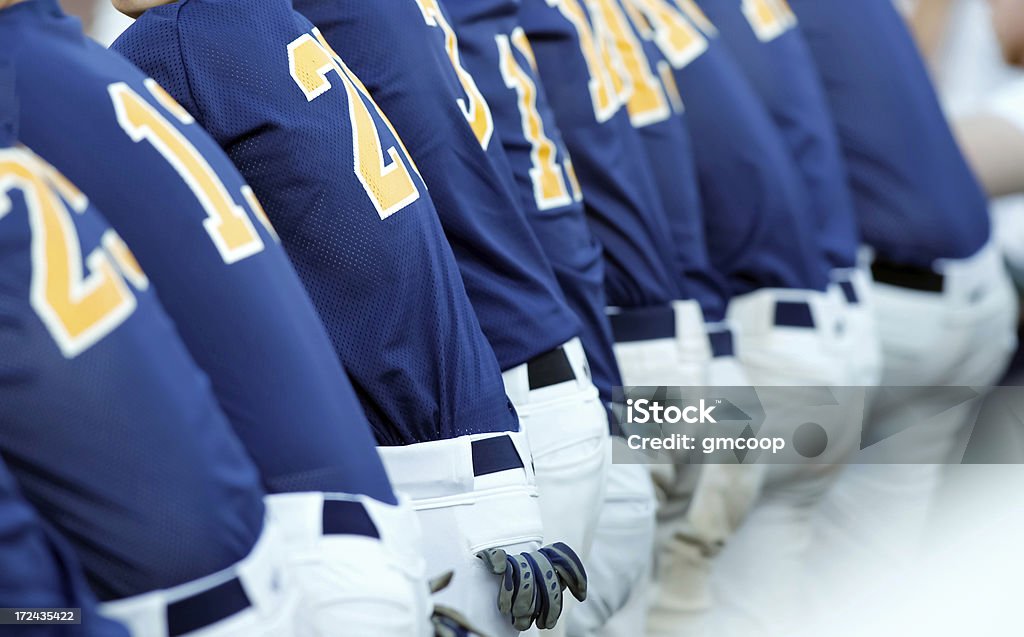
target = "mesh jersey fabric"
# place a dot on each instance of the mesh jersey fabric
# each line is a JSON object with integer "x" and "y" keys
{"x": 248, "y": 324}
{"x": 915, "y": 197}
{"x": 404, "y": 64}
{"x": 559, "y": 223}
{"x": 620, "y": 196}
{"x": 387, "y": 289}
{"x": 782, "y": 72}
{"x": 119, "y": 445}
{"x": 761, "y": 230}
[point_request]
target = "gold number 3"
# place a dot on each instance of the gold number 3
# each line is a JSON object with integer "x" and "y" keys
{"x": 389, "y": 186}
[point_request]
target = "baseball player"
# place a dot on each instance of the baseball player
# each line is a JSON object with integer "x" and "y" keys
{"x": 110, "y": 429}
{"x": 352, "y": 210}
{"x": 239, "y": 308}
{"x": 699, "y": 506}
{"x": 762, "y": 236}
{"x": 522, "y": 312}
{"x": 495, "y": 52}
{"x": 38, "y": 571}
{"x": 661, "y": 340}
{"x": 766, "y": 43}
{"x": 944, "y": 304}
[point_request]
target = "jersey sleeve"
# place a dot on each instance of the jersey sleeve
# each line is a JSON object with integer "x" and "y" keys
{"x": 620, "y": 197}
{"x": 407, "y": 56}
{"x": 915, "y": 196}
{"x": 200, "y": 235}
{"x": 110, "y": 429}
{"x": 495, "y": 53}
{"x": 776, "y": 61}
{"x": 38, "y": 570}
{"x": 351, "y": 210}
{"x": 760, "y": 229}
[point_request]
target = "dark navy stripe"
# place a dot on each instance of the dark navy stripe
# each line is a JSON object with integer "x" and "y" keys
{"x": 346, "y": 517}
{"x": 491, "y": 455}
{"x": 550, "y": 368}
{"x": 793, "y": 314}
{"x": 643, "y": 324}
{"x": 206, "y": 608}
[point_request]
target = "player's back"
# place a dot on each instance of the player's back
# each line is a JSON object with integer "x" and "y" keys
{"x": 495, "y": 52}
{"x": 37, "y": 570}
{"x": 760, "y": 230}
{"x": 657, "y": 111}
{"x": 109, "y": 427}
{"x": 197, "y": 231}
{"x": 620, "y": 196}
{"x": 348, "y": 203}
{"x": 411, "y": 67}
{"x": 915, "y": 197}
{"x": 767, "y": 44}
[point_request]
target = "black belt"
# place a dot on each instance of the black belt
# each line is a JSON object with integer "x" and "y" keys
{"x": 907, "y": 276}
{"x": 643, "y": 324}
{"x": 491, "y": 455}
{"x": 348, "y": 517}
{"x": 340, "y": 517}
{"x": 849, "y": 292}
{"x": 793, "y": 314}
{"x": 721, "y": 343}
{"x": 550, "y": 368}
{"x": 206, "y": 608}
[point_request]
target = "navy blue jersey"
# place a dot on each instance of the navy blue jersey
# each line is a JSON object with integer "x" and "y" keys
{"x": 915, "y": 197}
{"x": 109, "y": 427}
{"x": 37, "y": 570}
{"x": 764, "y": 38}
{"x": 348, "y": 203}
{"x": 621, "y": 199}
{"x": 168, "y": 189}
{"x": 494, "y": 51}
{"x": 656, "y": 109}
{"x": 405, "y": 53}
{"x": 761, "y": 231}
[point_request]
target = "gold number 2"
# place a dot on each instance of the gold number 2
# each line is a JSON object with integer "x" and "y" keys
{"x": 78, "y": 308}
{"x": 389, "y": 186}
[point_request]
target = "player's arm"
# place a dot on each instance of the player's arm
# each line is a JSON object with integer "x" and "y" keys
{"x": 929, "y": 21}
{"x": 994, "y": 147}
{"x": 37, "y": 571}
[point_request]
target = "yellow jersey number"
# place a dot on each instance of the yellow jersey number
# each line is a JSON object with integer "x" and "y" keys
{"x": 227, "y": 223}
{"x": 389, "y": 186}
{"x": 473, "y": 106}
{"x": 79, "y": 306}
{"x": 551, "y": 182}
{"x": 769, "y": 18}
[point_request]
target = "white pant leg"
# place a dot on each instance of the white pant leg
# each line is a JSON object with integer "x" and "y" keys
{"x": 361, "y": 585}
{"x": 695, "y": 521}
{"x": 567, "y": 428}
{"x": 461, "y": 513}
{"x": 862, "y": 341}
{"x": 758, "y": 579}
{"x": 620, "y": 594}
{"x": 619, "y": 570}
{"x": 264, "y": 577}
{"x": 875, "y": 517}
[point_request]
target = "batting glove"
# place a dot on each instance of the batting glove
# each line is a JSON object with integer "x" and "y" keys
{"x": 532, "y": 583}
